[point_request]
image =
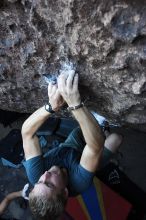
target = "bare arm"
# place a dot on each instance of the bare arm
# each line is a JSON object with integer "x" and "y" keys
{"x": 90, "y": 128}
{"x": 32, "y": 124}
{"x": 93, "y": 136}
{"x": 6, "y": 201}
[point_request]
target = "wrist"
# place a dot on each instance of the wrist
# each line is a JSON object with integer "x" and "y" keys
{"x": 55, "y": 109}
{"x": 20, "y": 193}
{"x": 71, "y": 104}
{"x": 49, "y": 108}
{"x": 78, "y": 113}
{"x": 75, "y": 107}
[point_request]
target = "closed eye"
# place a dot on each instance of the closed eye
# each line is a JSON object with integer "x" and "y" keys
{"x": 50, "y": 185}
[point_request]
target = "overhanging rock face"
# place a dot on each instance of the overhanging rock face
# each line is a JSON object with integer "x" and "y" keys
{"x": 106, "y": 41}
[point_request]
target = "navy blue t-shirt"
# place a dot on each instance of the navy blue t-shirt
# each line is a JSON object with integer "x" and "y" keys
{"x": 79, "y": 178}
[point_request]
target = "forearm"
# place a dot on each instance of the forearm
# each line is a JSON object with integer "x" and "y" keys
{"x": 7, "y": 200}
{"x": 90, "y": 128}
{"x": 33, "y": 123}
{"x": 14, "y": 195}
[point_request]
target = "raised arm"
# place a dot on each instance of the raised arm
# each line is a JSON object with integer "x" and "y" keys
{"x": 68, "y": 87}
{"x": 32, "y": 124}
{"x": 6, "y": 201}
{"x": 11, "y": 196}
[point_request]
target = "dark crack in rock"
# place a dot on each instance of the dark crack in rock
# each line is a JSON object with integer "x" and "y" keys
{"x": 105, "y": 39}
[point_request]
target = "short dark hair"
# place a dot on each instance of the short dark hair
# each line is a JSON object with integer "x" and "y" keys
{"x": 44, "y": 208}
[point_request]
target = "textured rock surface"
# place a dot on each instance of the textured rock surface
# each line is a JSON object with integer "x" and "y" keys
{"x": 105, "y": 39}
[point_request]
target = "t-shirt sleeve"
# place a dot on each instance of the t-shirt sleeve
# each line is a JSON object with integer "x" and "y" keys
{"x": 81, "y": 179}
{"x": 34, "y": 168}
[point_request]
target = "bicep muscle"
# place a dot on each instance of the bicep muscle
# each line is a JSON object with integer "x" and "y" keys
{"x": 31, "y": 147}
{"x": 90, "y": 159}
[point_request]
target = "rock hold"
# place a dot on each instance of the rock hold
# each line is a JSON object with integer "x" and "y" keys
{"x": 106, "y": 40}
